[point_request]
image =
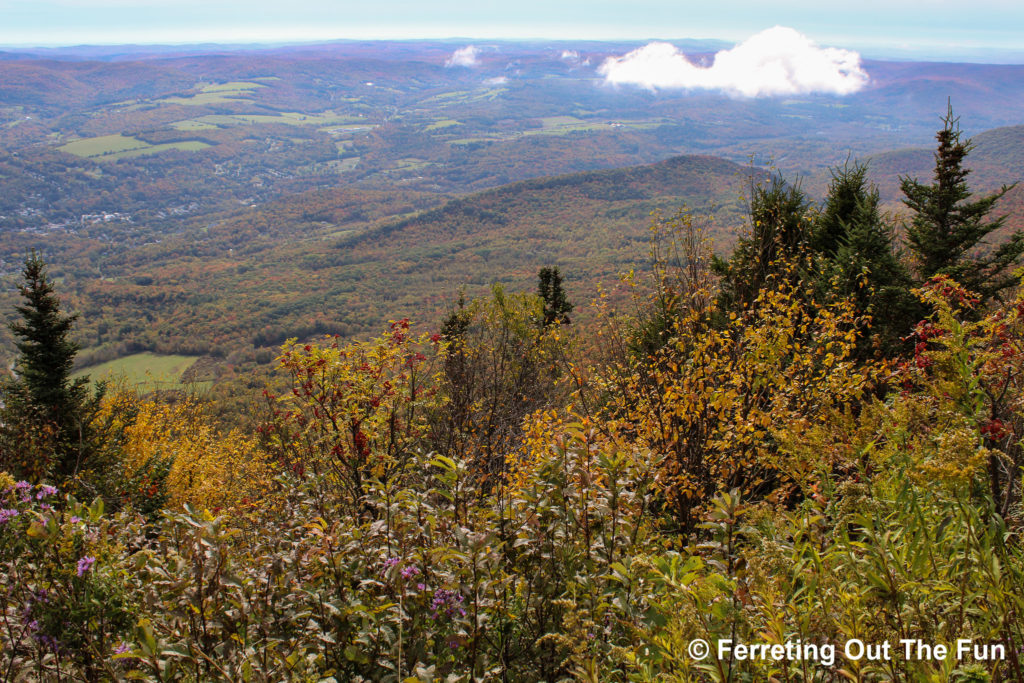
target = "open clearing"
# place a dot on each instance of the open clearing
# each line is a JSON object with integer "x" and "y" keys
{"x": 291, "y": 118}
{"x": 114, "y": 147}
{"x": 144, "y": 371}
{"x": 217, "y": 93}
{"x": 105, "y": 144}
{"x": 444, "y": 123}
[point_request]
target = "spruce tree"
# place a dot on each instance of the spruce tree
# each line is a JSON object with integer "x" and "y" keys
{"x": 780, "y": 229}
{"x": 948, "y": 229}
{"x": 47, "y": 351}
{"x": 556, "y": 306}
{"x": 44, "y": 391}
{"x": 859, "y": 260}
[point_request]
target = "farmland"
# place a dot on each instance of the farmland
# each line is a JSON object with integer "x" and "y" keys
{"x": 145, "y": 371}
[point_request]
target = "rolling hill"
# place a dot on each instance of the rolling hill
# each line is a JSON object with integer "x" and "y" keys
{"x": 349, "y": 275}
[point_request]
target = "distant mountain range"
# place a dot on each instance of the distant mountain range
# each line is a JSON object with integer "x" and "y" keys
{"x": 215, "y": 200}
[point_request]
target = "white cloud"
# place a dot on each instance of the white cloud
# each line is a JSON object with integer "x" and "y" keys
{"x": 778, "y": 61}
{"x": 464, "y": 56}
{"x": 570, "y": 55}
{"x": 497, "y": 80}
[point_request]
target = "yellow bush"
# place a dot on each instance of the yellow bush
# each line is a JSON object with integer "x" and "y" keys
{"x": 206, "y": 468}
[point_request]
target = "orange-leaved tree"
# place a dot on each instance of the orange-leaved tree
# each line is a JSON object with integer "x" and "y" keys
{"x": 355, "y": 412}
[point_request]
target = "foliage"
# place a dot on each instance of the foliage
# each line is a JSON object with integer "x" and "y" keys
{"x": 710, "y": 402}
{"x": 859, "y": 261}
{"x": 173, "y": 455}
{"x": 43, "y": 408}
{"x": 556, "y": 306}
{"x": 851, "y": 516}
{"x": 516, "y": 499}
{"x": 947, "y": 227}
{"x": 975, "y": 370}
{"x": 780, "y": 230}
{"x": 66, "y": 605}
{"x": 502, "y": 363}
{"x": 354, "y": 413}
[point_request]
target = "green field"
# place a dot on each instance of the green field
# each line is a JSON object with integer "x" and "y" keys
{"x": 193, "y": 125}
{"x": 291, "y": 118}
{"x": 217, "y": 93}
{"x": 144, "y": 371}
{"x": 114, "y": 147}
{"x": 444, "y": 123}
{"x": 105, "y": 144}
{"x": 563, "y": 125}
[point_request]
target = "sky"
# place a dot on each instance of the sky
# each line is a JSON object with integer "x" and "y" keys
{"x": 933, "y": 27}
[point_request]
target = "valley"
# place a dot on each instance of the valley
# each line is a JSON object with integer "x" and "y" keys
{"x": 217, "y": 203}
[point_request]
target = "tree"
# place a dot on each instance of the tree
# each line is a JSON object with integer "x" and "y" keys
{"x": 47, "y": 352}
{"x": 556, "y": 306}
{"x": 500, "y": 365}
{"x": 779, "y": 229}
{"x": 947, "y": 228}
{"x": 43, "y": 399}
{"x": 859, "y": 261}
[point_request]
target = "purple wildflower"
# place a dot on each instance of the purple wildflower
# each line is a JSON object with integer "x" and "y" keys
{"x": 410, "y": 572}
{"x": 421, "y": 586}
{"x": 48, "y": 641}
{"x": 45, "y": 491}
{"x": 7, "y": 515}
{"x": 388, "y": 564}
{"x": 85, "y": 564}
{"x": 75, "y": 519}
{"x": 22, "y": 485}
{"x": 448, "y": 602}
{"x": 45, "y": 507}
{"x": 122, "y": 648}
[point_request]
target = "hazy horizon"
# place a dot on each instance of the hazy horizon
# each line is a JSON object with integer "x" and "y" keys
{"x": 992, "y": 28}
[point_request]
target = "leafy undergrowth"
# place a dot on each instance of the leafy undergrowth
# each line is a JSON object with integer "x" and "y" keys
{"x": 746, "y": 481}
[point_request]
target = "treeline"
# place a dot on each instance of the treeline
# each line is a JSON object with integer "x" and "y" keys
{"x": 817, "y": 440}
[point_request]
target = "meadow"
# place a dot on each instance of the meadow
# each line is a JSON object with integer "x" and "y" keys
{"x": 144, "y": 372}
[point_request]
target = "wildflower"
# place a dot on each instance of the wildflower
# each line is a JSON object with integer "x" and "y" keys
{"x": 45, "y": 491}
{"x": 48, "y": 641}
{"x": 421, "y": 586}
{"x": 75, "y": 519}
{"x": 7, "y": 514}
{"x": 389, "y": 563}
{"x": 448, "y": 602}
{"x": 410, "y": 572}
{"x": 85, "y": 564}
{"x": 122, "y": 648}
{"x": 23, "y": 485}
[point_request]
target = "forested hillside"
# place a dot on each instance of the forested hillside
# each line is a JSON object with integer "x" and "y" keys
{"x": 809, "y": 444}
{"x": 207, "y": 201}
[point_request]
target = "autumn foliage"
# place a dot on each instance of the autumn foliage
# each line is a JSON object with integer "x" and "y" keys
{"x": 518, "y": 496}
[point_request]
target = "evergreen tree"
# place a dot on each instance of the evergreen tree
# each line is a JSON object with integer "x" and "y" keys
{"x": 47, "y": 352}
{"x": 780, "y": 228}
{"x": 44, "y": 392}
{"x": 556, "y": 306}
{"x": 947, "y": 228}
{"x": 859, "y": 260}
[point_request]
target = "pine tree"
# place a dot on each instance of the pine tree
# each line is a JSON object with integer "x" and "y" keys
{"x": 859, "y": 259}
{"x": 947, "y": 228}
{"x": 47, "y": 352}
{"x": 556, "y": 306}
{"x": 44, "y": 391}
{"x": 780, "y": 229}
